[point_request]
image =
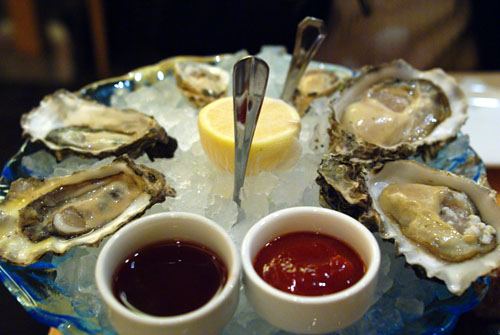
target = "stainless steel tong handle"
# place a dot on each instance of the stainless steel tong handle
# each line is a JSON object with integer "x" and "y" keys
{"x": 310, "y": 34}
{"x": 250, "y": 75}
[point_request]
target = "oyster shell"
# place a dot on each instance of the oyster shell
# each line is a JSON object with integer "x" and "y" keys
{"x": 54, "y": 214}
{"x": 316, "y": 83}
{"x": 67, "y": 123}
{"x": 393, "y": 111}
{"x": 201, "y": 83}
{"x": 423, "y": 210}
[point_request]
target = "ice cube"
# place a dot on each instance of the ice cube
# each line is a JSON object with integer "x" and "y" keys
{"x": 86, "y": 304}
{"x": 223, "y": 211}
{"x": 410, "y": 308}
{"x": 385, "y": 320}
{"x": 39, "y": 164}
{"x": 255, "y": 204}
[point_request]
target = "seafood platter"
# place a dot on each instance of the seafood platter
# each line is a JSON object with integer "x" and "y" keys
{"x": 381, "y": 143}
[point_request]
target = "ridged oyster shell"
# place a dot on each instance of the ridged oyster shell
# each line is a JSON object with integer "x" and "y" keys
{"x": 354, "y": 187}
{"x": 393, "y": 111}
{"x": 54, "y": 214}
{"x": 201, "y": 83}
{"x": 67, "y": 123}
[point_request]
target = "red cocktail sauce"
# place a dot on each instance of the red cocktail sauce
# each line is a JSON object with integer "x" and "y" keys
{"x": 310, "y": 264}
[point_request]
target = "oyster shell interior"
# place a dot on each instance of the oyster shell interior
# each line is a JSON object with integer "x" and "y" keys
{"x": 65, "y": 122}
{"x": 201, "y": 83}
{"x": 444, "y": 223}
{"x": 442, "y": 220}
{"x": 416, "y": 204}
{"x": 395, "y": 111}
{"x": 53, "y": 214}
{"x": 316, "y": 83}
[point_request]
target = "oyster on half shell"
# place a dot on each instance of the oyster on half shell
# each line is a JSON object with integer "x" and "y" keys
{"x": 67, "y": 123}
{"x": 447, "y": 224}
{"x": 316, "y": 83}
{"x": 392, "y": 111}
{"x": 54, "y": 214}
{"x": 201, "y": 83}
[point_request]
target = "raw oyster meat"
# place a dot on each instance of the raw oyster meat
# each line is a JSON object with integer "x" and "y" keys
{"x": 54, "y": 214}
{"x": 316, "y": 83}
{"x": 447, "y": 224}
{"x": 67, "y": 123}
{"x": 394, "y": 111}
{"x": 201, "y": 83}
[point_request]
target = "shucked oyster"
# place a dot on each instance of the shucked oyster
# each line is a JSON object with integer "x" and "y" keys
{"x": 201, "y": 83}
{"x": 316, "y": 83}
{"x": 447, "y": 224}
{"x": 392, "y": 111}
{"x": 55, "y": 214}
{"x": 444, "y": 221}
{"x": 65, "y": 123}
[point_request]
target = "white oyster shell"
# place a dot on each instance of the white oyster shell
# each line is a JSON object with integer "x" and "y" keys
{"x": 201, "y": 83}
{"x": 353, "y": 186}
{"x": 457, "y": 275}
{"x": 67, "y": 123}
{"x": 18, "y": 247}
{"x": 346, "y": 142}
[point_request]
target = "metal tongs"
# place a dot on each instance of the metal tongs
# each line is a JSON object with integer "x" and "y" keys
{"x": 250, "y": 75}
{"x": 310, "y": 34}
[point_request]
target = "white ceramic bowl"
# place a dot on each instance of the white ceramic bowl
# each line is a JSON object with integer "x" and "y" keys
{"x": 310, "y": 314}
{"x": 208, "y": 319}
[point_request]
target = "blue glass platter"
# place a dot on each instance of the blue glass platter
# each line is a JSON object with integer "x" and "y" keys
{"x": 50, "y": 301}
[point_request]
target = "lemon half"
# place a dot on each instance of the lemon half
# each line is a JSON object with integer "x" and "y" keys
{"x": 275, "y": 144}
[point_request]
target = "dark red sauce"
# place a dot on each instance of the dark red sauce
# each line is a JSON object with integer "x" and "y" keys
{"x": 169, "y": 278}
{"x": 310, "y": 264}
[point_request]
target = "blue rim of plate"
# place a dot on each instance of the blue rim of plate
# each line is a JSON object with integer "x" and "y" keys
{"x": 21, "y": 281}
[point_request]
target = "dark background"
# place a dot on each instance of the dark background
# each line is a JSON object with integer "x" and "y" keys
{"x": 139, "y": 33}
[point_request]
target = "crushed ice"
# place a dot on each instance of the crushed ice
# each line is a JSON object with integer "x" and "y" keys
{"x": 202, "y": 189}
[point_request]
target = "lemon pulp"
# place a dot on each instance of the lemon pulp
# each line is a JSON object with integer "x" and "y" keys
{"x": 275, "y": 143}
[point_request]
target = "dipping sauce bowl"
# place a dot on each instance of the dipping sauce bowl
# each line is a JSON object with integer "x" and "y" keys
{"x": 310, "y": 314}
{"x": 150, "y": 230}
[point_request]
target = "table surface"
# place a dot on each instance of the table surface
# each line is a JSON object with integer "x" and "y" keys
{"x": 18, "y": 99}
